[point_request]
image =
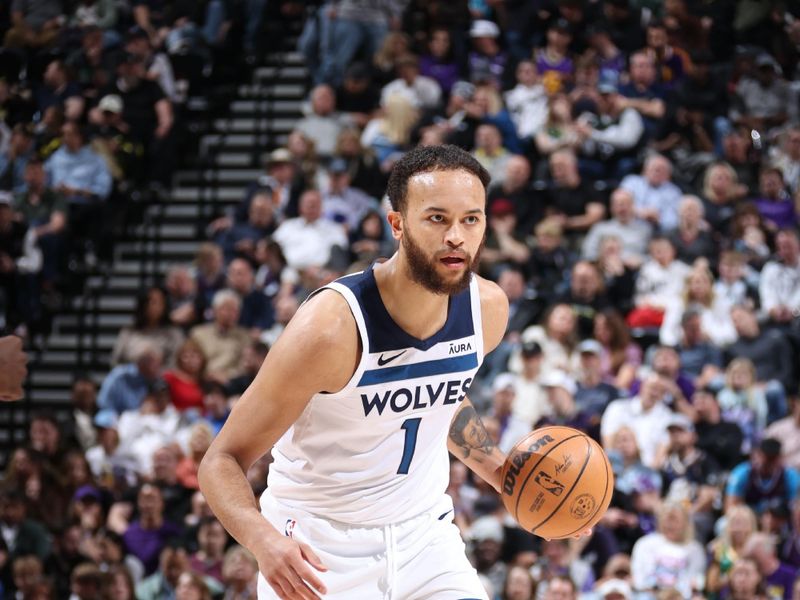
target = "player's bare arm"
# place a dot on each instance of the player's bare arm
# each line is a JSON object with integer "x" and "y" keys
{"x": 468, "y": 439}
{"x": 317, "y": 352}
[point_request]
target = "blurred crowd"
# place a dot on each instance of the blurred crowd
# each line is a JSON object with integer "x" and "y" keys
{"x": 642, "y": 220}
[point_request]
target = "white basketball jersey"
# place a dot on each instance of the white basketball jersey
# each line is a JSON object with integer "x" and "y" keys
{"x": 375, "y": 452}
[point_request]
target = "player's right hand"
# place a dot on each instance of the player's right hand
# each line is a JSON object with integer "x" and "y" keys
{"x": 13, "y": 368}
{"x": 286, "y": 565}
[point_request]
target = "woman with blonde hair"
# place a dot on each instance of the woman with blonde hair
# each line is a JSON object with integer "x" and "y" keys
{"x": 389, "y": 135}
{"x": 559, "y": 130}
{"x": 395, "y": 45}
{"x": 698, "y": 296}
{"x": 744, "y": 402}
{"x": 669, "y": 557}
{"x": 721, "y": 190}
{"x": 740, "y": 523}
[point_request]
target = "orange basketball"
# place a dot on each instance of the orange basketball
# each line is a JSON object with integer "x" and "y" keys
{"x": 557, "y": 482}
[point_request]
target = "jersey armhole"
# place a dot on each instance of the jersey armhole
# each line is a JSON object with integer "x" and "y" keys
{"x": 355, "y": 310}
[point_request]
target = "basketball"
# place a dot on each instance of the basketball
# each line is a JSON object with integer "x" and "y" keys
{"x": 557, "y": 482}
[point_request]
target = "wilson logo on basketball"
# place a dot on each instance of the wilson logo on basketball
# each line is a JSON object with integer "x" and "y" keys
{"x": 582, "y": 506}
{"x": 519, "y": 460}
{"x": 549, "y": 484}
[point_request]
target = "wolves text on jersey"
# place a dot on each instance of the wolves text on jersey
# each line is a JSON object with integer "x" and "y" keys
{"x": 420, "y": 396}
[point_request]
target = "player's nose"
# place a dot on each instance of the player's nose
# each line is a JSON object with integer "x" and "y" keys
{"x": 454, "y": 236}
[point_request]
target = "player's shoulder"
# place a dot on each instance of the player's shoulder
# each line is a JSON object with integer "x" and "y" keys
{"x": 494, "y": 312}
{"x": 326, "y": 316}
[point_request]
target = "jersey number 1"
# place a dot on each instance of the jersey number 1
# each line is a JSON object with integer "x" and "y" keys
{"x": 412, "y": 427}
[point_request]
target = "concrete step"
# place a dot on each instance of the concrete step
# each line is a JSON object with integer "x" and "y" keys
{"x": 289, "y": 107}
{"x": 281, "y": 72}
{"x": 282, "y": 91}
{"x": 195, "y": 194}
{"x": 277, "y": 125}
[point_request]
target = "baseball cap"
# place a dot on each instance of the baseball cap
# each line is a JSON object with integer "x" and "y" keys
{"x": 502, "y": 207}
{"x": 679, "y": 421}
{"x": 531, "y": 348}
{"x": 106, "y": 418}
{"x": 87, "y": 492}
{"x": 486, "y": 528}
{"x": 590, "y": 347}
{"x": 463, "y": 89}
{"x": 279, "y": 155}
{"x": 337, "y": 165}
{"x": 111, "y": 103}
{"x": 770, "y": 447}
{"x": 484, "y": 28}
{"x": 504, "y": 381}
{"x": 558, "y": 378}
{"x": 765, "y": 60}
{"x": 615, "y": 586}
{"x": 607, "y": 87}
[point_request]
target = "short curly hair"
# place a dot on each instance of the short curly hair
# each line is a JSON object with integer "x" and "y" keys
{"x": 424, "y": 159}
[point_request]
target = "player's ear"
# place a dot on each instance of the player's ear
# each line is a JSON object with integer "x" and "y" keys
{"x": 395, "y": 219}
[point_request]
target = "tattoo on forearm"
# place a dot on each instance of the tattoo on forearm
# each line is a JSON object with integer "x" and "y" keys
{"x": 469, "y": 434}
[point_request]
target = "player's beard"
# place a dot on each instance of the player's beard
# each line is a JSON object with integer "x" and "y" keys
{"x": 423, "y": 271}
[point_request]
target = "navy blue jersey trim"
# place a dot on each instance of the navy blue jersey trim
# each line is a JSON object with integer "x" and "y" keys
{"x": 385, "y": 335}
{"x": 454, "y": 364}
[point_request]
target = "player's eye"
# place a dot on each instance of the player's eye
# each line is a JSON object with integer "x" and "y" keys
{"x": 472, "y": 220}
{"x": 437, "y": 218}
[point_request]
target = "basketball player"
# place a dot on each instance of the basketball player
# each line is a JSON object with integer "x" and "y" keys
{"x": 13, "y": 369}
{"x": 361, "y": 397}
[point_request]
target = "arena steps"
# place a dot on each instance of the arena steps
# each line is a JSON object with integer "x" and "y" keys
{"x": 232, "y": 145}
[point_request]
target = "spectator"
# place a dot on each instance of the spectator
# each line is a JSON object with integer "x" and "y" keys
{"x": 721, "y": 439}
{"x": 45, "y": 212}
{"x": 724, "y": 550}
{"x": 632, "y": 231}
{"x": 592, "y": 394}
{"x": 669, "y": 557}
{"x": 308, "y": 240}
{"x": 557, "y": 560}
{"x": 658, "y": 285}
{"x": 388, "y": 136}
{"x": 620, "y": 357}
{"x": 210, "y": 276}
{"x": 671, "y": 62}
{"x": 768, "y": 350}
{"x": 369, "y": 240}
{"x": 211, "y": 541}
{"x": 515, "y": 186}
{"x": 487, "y": 61}
{"x": 151, "y": 324}
{"x": 552, "y": 60}
{"x": 519, "y": 584}
{"x": 240, "y": 240}
{"x": 700, "y": 358}
{"x": 200, "y": 437}
{"x": 691, "y": 237}
{"x": 786, "y": 158}
{"x": 557, "y": 336}
{"x": 362, "y": 164}
{"x": 732, "y": 283}
{"x": 185, "y": 381}
{"x": 147, "y": 536}
{"x": 490, "y": 152}
{"x": 761, "y": 479}
{"x": 745, "y": 581}
{"x": 34, "y": 25}
{"x": 570, "y": 199}
{"x": 421, "y": 91}
{"x": 611, "y": 137}
{"x": 172, "y": 563}
{"x": 222, "y": 340}
{"x": 643, "y": 92}
{"x": 778, "y": 577}
{"x": 126, "y": 386}
{"x": 181, "y": 289}
{"x": 763, "y": 97}
{"x": 721, "y": 188}
{"x": 656, "y": 198}
{"x": 512, "y": 429}
{"x": 773, "y": 202}
{"x": 503, "y": 245}
{"x": 323, "y": 123}
{"x": 585, "y": 295}
{"x": 645, "y": 413}
{"x": 549, "y": 257}
{"x": 439, "y": 62}
{"x": 342, "y": 203}
{"x": 561, "y": 587}
{"x": 239, "y": 573}
{"x": 256, "y": 312}
{"x": 715, "y": 320}
{"x": 527, "y": 103}
{"x": 558, "y": 131}
{"x": 357, "y": 97}
{"x": 14, "y": 159}
{"x": 779, "y": 285}
{"x": 486, "y": 535}
{"x": 742, "y": 401}
{"x": 159, "y": 69}
{"x": 77, "y": 171}
{"x": 215, "y": 403}
{"x": 787, "y": 432}
{"x": 619, "y": 276}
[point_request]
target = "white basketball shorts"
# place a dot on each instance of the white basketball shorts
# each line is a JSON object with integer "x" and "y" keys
{"x": 419, "y": 559}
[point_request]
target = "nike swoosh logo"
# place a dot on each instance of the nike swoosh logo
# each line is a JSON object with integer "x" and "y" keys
{"x": 385, "y": 361}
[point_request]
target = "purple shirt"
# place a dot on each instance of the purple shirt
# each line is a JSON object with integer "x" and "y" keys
{"x": 780, "y": 582}
{"x": 147, "y": 544}
{"x": 781, "y": 212}
{"x": 445, "y": 73}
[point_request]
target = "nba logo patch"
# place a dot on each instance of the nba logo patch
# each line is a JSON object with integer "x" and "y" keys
{"x": 289, "y": 527}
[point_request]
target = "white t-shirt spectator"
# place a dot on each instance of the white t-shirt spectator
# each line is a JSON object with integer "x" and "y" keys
{"x": 424, "y": 92}
{"x": 658, "y": 563}
{"x": 307, "y": 244}
{"x": 649, "y": 426}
